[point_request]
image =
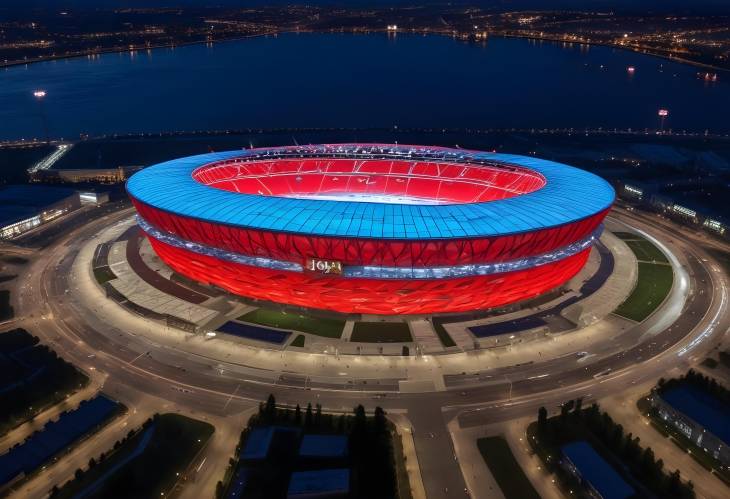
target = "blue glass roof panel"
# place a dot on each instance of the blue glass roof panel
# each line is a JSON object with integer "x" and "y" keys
{"x": 569, "y": 194}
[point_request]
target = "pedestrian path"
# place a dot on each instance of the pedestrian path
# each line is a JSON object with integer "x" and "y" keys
{"x": 425, "y": 336}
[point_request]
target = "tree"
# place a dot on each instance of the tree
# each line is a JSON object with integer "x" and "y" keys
{"x": 219, "y": 490}
{"x": 308, "y": 416}
{"x": 542, "y": 420}
{"x": 565, "y": 410}
{"x": 647, "y": 461}
{"x": 78, "y": 473}
{"x": 318, "y": 416}
{"x": 92, "y": 463}
{"x": 298, "y": 415}
{"x": 359, "y": 434}
{"x": 270, "y": 409}
{"x": 578, "y": 405}
{"x": 54, "y": 491}
{"x": 341, "y": 424}
{"x": 379, "y": 418}
{"x": 674, "y": 484}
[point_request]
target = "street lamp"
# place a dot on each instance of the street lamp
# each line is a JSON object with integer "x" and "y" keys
{"x": 40, "y": 96}
{"x": 663, "y": 113}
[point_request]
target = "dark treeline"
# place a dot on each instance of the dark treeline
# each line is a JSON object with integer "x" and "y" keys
{"x": 699, "y": 381}
{"x": 577, "y": 423}
{"x": 370, "y": 458}
{"x": 34, "y": 377}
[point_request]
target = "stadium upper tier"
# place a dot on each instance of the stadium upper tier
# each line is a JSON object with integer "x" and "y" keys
{"x": 545, "y": 194}
{"x": 388, "y": 181}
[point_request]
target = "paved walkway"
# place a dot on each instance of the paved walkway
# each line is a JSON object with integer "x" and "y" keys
{"x": 478, "y": 478}
{"x": 405, "y": 431}
{"x": 614, "y": 291}
{"x": 145, "y": 295}
{"x": 543, "y": 481}
{"x": 425, "y": 336}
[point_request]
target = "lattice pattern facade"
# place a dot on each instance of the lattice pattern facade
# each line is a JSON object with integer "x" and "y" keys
{"x": 371, "y": 296}
{"x": 251, "y": 221}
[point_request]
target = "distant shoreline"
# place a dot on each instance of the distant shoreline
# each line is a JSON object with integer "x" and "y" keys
{"x": 659, "y": 55}
{"x": 618, "y": 132}
{"x": 680, "y": 60}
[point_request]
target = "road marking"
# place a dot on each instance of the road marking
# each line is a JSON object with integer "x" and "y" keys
{"x": 231, "y": 397}
{"x": 137, "y": 357}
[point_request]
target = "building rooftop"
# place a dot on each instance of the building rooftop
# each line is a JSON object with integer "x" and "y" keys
{"x": 257, "y": 443}
{"x": 702, "y": 407}
{"x": 596, "y": 471}
{"x": 319, "y": 482}
{"x": 568, "y": 195}
{"x": 20, "y": 202}
{"x": 323, "y": 446}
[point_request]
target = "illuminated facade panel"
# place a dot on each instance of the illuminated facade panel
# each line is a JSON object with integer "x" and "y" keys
{"x": 372, "y": 228}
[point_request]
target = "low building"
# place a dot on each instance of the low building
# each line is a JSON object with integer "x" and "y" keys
{"x": 257, "y": 444}
{"x": 82, "y": 175}
{"x": 93, "y": 198}
{"x": 598, "y": 477}
{"x": 25, "y": 207}
{"x": 323, "y": 446}
{"x": 699, "y": 416}
{"x": 319, "y": 484}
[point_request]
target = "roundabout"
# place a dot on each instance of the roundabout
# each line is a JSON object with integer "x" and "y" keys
{"x": 143, "y": 361}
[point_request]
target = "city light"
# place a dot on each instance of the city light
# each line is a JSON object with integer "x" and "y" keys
{"x": 39, "y": 94}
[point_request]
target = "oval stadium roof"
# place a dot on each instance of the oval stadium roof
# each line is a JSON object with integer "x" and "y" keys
{"x": 570, "y": 194}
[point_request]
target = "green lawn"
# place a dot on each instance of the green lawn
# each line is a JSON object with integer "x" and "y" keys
{"x": 6, "y": 310}
{"x": 443, "y": 335}
{"x": 504, "y": 468}
{"x": 329, "y": 328}
{"x": 710, "y": 363}
{"x": 646, "y": 251}
{"x": 381, "y": 332}
{"x": 104, "y": 274}
{"x": 652, "y": 286}
{"x": 174, "y": 442}
{"x": 627, "y": 236}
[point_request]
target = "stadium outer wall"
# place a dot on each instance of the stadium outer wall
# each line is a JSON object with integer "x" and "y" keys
{"x": 372, "y": 296}
{"x": 512, "y": 266}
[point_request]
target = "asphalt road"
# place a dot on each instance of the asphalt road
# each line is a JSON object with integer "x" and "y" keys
{"x": 134, "y": 364}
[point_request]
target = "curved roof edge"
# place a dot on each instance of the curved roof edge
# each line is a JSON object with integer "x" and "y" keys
{"x": 569, "y": 195}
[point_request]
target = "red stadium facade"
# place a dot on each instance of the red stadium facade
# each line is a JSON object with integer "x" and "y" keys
{"x": 372, "y": 229}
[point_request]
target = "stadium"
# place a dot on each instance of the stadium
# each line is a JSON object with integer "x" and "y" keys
{"x": 372, "y": 228}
